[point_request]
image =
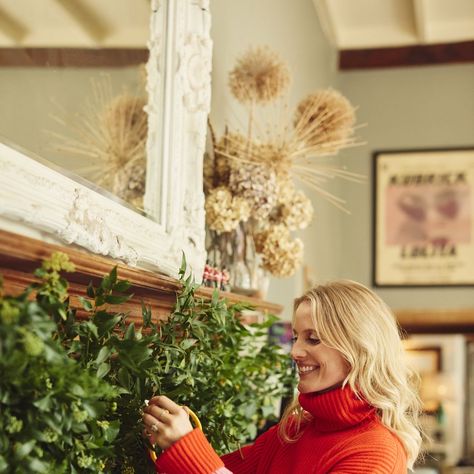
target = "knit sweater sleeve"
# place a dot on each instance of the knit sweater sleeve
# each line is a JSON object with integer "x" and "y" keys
{"x": 245, "y": 460}
{"x": 193, "y": 454}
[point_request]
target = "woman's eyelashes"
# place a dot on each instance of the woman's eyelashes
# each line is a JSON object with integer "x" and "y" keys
{"x": 314, "y": 341}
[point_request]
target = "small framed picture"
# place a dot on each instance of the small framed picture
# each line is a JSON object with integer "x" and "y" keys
{"x": 423, "y": 218}
{"x": 424, "y": 360}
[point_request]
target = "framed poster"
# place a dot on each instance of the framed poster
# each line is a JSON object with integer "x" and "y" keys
{"x": 423, "y": 218}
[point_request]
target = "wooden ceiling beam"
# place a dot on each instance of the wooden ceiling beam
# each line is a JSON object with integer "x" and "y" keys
{"x": 421, "y": 20}
{"x": 87, "y": 19}
{"x": 445, "y": 53}
{"x": 72, "y": 57}
{"x": 326, "y": 15}
{"x": 11, "y": 27}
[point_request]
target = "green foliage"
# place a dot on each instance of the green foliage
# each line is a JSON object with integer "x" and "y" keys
{"x": 72, "y": 391}
{"x": 52, "y": 410}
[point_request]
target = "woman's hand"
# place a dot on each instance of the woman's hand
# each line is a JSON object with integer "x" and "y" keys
{"x": 165, "y": 421}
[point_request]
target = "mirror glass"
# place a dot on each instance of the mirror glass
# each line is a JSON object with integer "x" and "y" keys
{"x": 73, "y": 89}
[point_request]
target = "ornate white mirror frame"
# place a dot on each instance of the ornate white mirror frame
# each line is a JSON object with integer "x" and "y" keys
{"x": 37, "y": 201}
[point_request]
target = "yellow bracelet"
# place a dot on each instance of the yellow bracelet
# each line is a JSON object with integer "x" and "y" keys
{"x": 196, "y": 421}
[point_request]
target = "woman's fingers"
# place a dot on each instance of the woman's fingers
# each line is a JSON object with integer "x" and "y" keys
{"x": 152, "y": 424}
{"x": 152, "y": 438}
{"x": 167, "y": 421}
{"x": 166, "y": 403}
{"x": 161, "y": 414}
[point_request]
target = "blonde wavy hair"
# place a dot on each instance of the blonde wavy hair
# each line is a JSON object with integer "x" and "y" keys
{"x": 349, "y": 317}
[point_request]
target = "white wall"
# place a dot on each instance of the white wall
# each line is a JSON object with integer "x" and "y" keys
{"x": 291, "y": 28}
{"x": 416, "y": 107}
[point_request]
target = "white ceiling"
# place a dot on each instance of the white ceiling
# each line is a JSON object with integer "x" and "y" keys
{"x": 350, "y": 24}
{"x": 358, "y": 24}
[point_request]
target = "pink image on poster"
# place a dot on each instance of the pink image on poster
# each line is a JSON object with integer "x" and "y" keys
{"x": 428, "y": 213}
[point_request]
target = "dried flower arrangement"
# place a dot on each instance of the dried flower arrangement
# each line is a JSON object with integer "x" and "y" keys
{"x": 249, "y": 178}
{"x": 112, "y": 131}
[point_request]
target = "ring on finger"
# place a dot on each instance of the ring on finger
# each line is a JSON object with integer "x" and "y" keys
{"x": 162, "y": 412}
{"x": 154, "y": 427}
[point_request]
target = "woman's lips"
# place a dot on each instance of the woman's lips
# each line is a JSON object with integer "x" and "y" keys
{"x": 307, "y": 369}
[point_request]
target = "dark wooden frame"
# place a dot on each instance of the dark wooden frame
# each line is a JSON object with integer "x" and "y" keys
{"x": 375, "y": 155}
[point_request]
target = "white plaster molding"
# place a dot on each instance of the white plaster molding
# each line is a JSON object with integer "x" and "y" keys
{"x": 69, "y": 212}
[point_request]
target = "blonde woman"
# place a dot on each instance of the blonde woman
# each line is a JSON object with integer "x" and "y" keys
{"x": 356, "y": 411}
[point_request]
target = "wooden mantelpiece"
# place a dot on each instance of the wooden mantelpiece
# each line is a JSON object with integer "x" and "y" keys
{"x": 20, "y": 256}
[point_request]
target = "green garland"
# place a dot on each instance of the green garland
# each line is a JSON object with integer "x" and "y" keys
{"x": 71, "y": 390}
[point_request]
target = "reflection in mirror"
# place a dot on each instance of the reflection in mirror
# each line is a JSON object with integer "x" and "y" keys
{"x": 73, "y": 89}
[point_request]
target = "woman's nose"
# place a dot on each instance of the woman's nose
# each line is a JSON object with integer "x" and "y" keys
{"x": 297, "y": 352}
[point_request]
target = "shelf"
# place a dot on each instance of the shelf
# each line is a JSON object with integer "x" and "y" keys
{"x": 20, "y": 256}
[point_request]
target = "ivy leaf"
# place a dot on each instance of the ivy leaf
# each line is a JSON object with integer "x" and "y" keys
{"x": 117, "y": 299}
{"x": 105, "y": 283}
{"x": 122, "y": 286}
{"x": 37, "y": 466}
{"x": 90, "y": 290}
{"x": 130, "y": 332}
{"x": 113, "y": 275}
{"x": 215, "y": 297}
{"x": 146, "y": 315}
{"x": 111, "y": 432}
{"x": 43, "y": 404}
{"x": 124, "y": 378}
{"x": 103, "y": 370}
{"x": 24, "y": 449}
{"x": 103, "y": 355}
{"x": 86, "y": 304}
{"x": 187, "y": 343}
{"x": 182, "y": 268}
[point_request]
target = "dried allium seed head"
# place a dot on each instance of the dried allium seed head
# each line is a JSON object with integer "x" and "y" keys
{"x": 276, "y": 156}
{"x": 259, "y": 76}
{"x": 125, "y": 123}
{"x": 324, "y": 119}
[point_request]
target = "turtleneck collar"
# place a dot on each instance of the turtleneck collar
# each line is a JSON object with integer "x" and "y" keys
{"x": 336, "y": 409}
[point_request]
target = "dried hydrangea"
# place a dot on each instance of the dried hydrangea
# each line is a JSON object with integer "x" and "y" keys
{"x": 259, "y": 76}
{"x": 257, "y": 185}
{"x": 295, "y": 211}
{"x": 224, "y": 211}
{"x": 286, "y": 188}
{"x": 324, "y": 119}
{"x": 281, "y": 255}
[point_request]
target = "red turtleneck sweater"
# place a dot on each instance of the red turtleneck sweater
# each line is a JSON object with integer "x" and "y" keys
{"x": 345, "y": 436}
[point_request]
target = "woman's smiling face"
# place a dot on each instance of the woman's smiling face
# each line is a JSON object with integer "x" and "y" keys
{"x": 319, "y": 366}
